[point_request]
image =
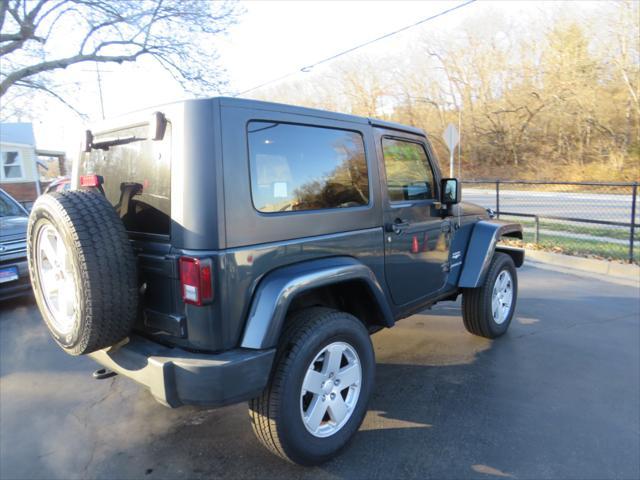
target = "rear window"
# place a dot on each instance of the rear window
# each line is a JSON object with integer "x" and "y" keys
{"x": 298, "y": 167}
{"x": 137, "y": 177}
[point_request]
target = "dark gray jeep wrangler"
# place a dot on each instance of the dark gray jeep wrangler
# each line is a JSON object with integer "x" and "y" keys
{"x": 224, "y": 250}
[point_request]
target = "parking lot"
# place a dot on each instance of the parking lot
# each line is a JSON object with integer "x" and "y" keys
{"x": 557, "y": 397}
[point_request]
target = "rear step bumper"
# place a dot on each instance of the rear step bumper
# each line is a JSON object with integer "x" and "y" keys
{"x": 177, "y": 377}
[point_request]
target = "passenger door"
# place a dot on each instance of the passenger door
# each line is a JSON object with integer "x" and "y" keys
{"x": 416, "y": 238}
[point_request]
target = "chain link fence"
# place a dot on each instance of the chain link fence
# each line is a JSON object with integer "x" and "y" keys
{"x": 575, "y": 218}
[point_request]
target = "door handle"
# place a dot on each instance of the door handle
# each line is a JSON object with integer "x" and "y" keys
{"x": 397, "y": 226}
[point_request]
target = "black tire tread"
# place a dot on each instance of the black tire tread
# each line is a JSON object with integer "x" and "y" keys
{"x": 476, "y": 302}
{"x": 106, "y": 262}
{"x": 263, "y": 410}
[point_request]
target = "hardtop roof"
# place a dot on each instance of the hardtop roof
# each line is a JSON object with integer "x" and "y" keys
{"x": 260, "y": 104}
{"x": 116, "y": 122}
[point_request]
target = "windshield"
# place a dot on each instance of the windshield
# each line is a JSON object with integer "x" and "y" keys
{"x": 9, "y": 207}
{"x": 136, "y": 174}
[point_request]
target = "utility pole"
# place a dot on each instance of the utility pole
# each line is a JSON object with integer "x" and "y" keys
{"x": 451, "y": 138}
{"x": 459, "y": 143}
{"x": 100, "y": 89}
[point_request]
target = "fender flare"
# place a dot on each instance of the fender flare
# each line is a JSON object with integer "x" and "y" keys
{"x": 279, "y": 287}
{"x": 482, "y": 245}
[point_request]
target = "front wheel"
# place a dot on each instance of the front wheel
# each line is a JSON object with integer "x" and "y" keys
{"x": 487, "y": 310}
{"x": 320, "y": 387}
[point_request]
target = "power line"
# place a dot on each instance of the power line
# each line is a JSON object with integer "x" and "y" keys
{"x": 308, "y": 68}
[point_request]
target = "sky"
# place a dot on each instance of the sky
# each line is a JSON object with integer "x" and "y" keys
{"x": 272, "y": 38}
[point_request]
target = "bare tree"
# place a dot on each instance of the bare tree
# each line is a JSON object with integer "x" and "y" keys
{"x": 38, "y": 37}
{"x": 539, "y": 97}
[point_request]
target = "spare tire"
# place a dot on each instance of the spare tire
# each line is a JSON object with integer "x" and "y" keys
{"x": 83, "y": 270}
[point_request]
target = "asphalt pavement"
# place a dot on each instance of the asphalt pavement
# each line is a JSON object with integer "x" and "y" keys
{"x": 557, "y": 397}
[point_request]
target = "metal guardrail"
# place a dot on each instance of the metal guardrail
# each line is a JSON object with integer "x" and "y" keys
{"x": 584, "y": 218}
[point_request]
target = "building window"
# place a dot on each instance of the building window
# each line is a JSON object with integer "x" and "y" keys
{"x": 11, "y": 165}
{"x": 298, "y": 167}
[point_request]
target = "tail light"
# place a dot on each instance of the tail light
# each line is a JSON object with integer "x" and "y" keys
{"x": 91, "y": 180}
{"x": 196, "y": 280}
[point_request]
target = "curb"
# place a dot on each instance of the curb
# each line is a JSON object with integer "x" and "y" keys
{"x": 620, "y": 273}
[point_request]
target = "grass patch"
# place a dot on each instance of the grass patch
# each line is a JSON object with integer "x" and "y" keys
{"x": 619, "y": 233}
{"x": 581, "y": 247}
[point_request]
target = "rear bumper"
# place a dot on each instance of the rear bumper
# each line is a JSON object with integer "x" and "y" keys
{"x": 177, "y": 377}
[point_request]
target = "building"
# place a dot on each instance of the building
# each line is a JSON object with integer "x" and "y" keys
{"x": 20, "y": 167}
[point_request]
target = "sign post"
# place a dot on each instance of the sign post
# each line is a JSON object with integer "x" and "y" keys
{"x": 451, "y": 137}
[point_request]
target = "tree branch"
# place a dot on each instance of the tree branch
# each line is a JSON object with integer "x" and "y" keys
{"x": 177, "y": 33}
{"x": 39, "y": 86}
{"x": 62, "y": 63}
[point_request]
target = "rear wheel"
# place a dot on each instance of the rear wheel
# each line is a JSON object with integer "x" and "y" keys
{"x": 320, "y": 387}
{"x": 83, "y": 270}
{"x": 487, "y": 310}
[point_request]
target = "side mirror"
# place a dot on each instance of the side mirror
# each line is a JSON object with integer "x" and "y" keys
{"x": 449, "y": 191}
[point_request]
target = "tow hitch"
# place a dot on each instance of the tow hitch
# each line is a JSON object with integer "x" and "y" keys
{"x": 103, "y": 373}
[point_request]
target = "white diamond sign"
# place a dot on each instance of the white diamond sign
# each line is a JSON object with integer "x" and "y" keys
{"x": 451, "y": 136}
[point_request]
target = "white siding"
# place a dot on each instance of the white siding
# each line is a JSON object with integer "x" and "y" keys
{"x": 27, "y": 155}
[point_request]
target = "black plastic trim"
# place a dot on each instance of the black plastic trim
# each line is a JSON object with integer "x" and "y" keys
{"x": 177, "y": 377}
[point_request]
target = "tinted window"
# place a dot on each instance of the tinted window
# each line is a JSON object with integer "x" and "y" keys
{"x": 409, "y": 176}
{"x": 137, "y": 177}
{"x": 295, "y": 167}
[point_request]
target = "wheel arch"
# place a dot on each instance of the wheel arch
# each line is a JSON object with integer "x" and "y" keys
{"x": 483, "y": 244}
{"x": 338, "y": 282}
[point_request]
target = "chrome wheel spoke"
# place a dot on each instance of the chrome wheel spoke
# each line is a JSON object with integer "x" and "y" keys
{"x": 508, "y": 297}
{"x": 50, "y": 283}
{"x": 338, "y": 409}
{"x": 501, "y": 281}
{"x": 63, "y": 301}
{"x": 333, "y": 358}
{"x": 55, "y": 298}
{"x": 49, "y": 250}
{"x": 348, "y": 376}
{"x": 313, "y": 382}
{"x": 316, "y": 410}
